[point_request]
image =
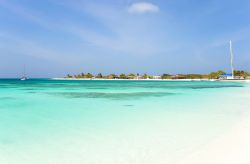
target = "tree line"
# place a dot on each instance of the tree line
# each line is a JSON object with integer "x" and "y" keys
{"x": 212, "y": 75}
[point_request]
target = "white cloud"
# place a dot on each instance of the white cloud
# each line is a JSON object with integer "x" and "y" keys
{"x": 143, "y": 7}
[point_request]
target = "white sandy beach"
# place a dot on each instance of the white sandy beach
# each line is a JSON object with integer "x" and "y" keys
{"x": 233, "y": 147}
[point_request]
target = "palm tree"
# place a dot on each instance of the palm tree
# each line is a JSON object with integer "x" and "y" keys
{"x": 243, "y": 74}
{"x": 82, "y": 75}
{"x": 69, "y": 76}
{"x": 166, "y": 76}
{"x": 215, "y": 75}
{"x": 145, "y": 76}
{"x": 123, "y": 76}
{"x": 99, "y": 75}
{"x": 89, "y": 75}
{"x": 131, "y": 76}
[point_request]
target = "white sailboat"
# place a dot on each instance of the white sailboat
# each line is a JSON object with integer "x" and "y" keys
{"x": 24, "y": 77}
{"x": 231, "y": 75}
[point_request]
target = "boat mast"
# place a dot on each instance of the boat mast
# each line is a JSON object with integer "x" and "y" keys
{"x": 232, "y": 58}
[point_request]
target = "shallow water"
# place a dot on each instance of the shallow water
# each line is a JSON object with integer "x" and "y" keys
{"x": 110, "y": 122}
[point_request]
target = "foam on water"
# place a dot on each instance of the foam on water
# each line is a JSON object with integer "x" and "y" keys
{"x": 110, "y": 122}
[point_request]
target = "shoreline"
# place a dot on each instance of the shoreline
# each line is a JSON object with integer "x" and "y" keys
{"x": 86, "y": 79}
{"x": 96, "y": 79}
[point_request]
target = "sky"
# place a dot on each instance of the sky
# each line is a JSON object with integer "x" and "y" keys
{"x": 52, "y": 38}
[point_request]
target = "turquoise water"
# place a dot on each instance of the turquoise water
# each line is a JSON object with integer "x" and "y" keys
{"x": 110, "y": 122}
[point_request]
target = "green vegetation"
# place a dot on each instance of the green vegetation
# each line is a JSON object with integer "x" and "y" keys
{"x": 89, "y": 76}
{"x": 146, "y": 76}
{"x": 166, "y": 76}
{"x": 241, "y": 74}
{"x": 212, "y": 75}
{"x": 215, "y": 75}
{"x": 99, "y": 76}
{"x": 111, "y": 76}
{"x": 69, "y": 76}
{"x": 131, "y": 76}
{"x": 122, "y": 76}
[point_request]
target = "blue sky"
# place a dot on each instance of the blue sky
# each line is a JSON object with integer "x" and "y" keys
{"x": 56, "y": 37}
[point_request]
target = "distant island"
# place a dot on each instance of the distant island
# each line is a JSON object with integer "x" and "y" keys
{"x": 213, "y": 75}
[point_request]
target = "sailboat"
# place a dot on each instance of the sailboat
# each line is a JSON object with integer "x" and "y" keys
{"x": 229, "y": 76}
{"x": 24, "y": 77}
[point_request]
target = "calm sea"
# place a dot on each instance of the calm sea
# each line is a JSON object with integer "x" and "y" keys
{"x": 113, "y": 122}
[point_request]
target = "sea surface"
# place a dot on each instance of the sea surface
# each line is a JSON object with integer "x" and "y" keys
{"x": 46, "y": 121}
